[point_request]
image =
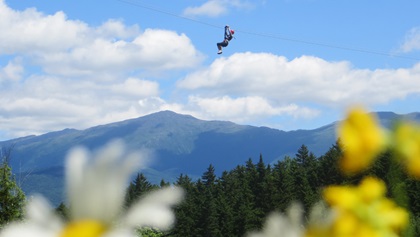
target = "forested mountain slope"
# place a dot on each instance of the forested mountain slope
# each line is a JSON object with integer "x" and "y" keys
{"x": 178, "y": 144}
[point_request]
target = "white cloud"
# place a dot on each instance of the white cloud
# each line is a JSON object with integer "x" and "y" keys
{"x": 215, "y": 8}
{"x": 49, "y": 103}
{"x": 245, "y": 109}
{"x": 69, "y": 47}
{"x": 162, "y": 49}
{"x": 30, "y": 31}
{"x": 211, "y": 8}
{"x": 412, "y": 40}
{"x": 115, "y": 29}
{"x": 152, "y": 50}
{"x": 12, "y": 71}
{"x": 62, "y": 73}
{"x": 154, "y": 104}
{"x": 305, "y": 79}
{"x": 136, "y": 88}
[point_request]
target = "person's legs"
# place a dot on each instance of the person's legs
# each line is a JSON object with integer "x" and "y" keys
{"x": 220, "y": 45}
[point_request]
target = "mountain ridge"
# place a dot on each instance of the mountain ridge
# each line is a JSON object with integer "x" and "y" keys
{"x": 180, "y": 144}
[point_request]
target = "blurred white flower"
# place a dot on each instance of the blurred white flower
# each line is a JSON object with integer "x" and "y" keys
{"x": 281, "y": 225}
{"x": 96, "y": 187}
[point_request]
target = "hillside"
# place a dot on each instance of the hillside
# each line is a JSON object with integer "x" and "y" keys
{"x": 180, "y": 144}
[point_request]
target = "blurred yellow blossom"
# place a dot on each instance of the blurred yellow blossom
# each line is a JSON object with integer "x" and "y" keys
{"x": 361, "y": 211}
{"x": 96, "y": 185}
{"x": 407, "y": 145}
{"x": 361, "y": 138}
{"x": 84, "y": 228}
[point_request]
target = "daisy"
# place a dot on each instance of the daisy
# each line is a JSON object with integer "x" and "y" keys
{"x": 96, "y": 185}
{"x": 280, "y": 224}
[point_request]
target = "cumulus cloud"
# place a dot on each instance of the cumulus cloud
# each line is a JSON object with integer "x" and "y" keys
{"x": 30, "y": 31}
{"x": 56, "y": 103}
{"x": 305, "y": 79}
{"x": 152, "y": 50}
{"x": 412, "y": 40}
{"x": 71, "y": 47}
{"x": 82, "y": 75}
{"x": 245, "y": 109}
{"x": 214, "y": 8}
{"x": 12, "y": 71}
{"x": 248, "y": 110}
{"x": 211, "y": 8}
{"x": 136, "y": 88}
{"x": 60, "y": 72}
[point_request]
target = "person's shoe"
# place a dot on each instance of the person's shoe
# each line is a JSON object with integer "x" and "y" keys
{"x": 220, "y": 51}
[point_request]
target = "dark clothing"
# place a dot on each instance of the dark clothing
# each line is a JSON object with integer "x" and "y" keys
{"x": 228, "y": 37}
{"x": 224, "y": 43}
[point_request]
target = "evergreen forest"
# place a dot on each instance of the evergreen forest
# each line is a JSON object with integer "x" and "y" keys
{"x": 239, "y": 200}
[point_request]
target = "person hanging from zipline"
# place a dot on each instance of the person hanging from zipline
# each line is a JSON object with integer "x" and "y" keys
{"x": 228, "y": 37}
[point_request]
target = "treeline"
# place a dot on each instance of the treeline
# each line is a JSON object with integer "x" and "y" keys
{"x": 239, "y": 200}
{"x": 12, "y": 198}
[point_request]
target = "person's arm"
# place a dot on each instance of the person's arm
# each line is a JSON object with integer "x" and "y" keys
{"x": 227, "y": 32}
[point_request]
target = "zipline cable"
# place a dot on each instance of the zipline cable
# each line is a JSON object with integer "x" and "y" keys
{"x": 137, "y": 4}
{"x": 278, "y": 37}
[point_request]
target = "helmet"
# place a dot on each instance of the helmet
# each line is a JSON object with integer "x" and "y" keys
{"x": 232, "y": 32}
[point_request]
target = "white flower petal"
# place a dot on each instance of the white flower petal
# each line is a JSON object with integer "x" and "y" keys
{"x": 121, "y": 233}
{"x": 165, "y": 196}
{"x": 99, "y": 190}
{"x": 39, "y": 212}
{"x": 278, "y": 224}
{"x": 148, "y": 215}
{"x": 154, "y": 210}
{"x": 27, "y": 230}
{"x": 75, "y": 175}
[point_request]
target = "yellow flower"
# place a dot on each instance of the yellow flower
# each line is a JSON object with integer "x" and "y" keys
{"x": 371, "y": 189}
{"x": 87, "y": 228}
{"x": 96, "y": 191}
{"x": 407, "y": 146}
{"x": 361, "y": 138}
{"x": 361, "y": 211}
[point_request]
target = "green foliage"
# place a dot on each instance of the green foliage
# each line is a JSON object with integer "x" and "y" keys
{"x": 240, "y": 199}
{"x": 62, "y": 211}
{"x": 137, "y": 188}
{"x": 12, "y": 198}
{"x": 150, "y": 232}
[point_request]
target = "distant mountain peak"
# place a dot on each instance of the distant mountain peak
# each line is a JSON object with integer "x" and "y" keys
{"x": 168, "y": 114}
{"x": 179, "y": 143}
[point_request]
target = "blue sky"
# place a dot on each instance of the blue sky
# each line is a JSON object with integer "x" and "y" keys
{"x": 294, "y": 64}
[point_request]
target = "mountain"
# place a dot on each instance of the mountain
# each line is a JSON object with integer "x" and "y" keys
{"x": 180, "y": 144}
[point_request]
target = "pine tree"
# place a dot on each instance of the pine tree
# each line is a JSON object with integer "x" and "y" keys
{"x": 209, "y": 177}
{"x": 284, "y": 191}
{"x": 187, "y": 212}
{"x": 302, "y": 156}
{"x": 163, "y": 183}
{"x": 137, "y": 188}
{"x": 12, "y": 197}
{"x": 209, "y": 217}
{"x": 244, "y": 216}
{"x": 329, "y": 172}
{"x": 225, "y": 191}
{"x": 263, "y": 188}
